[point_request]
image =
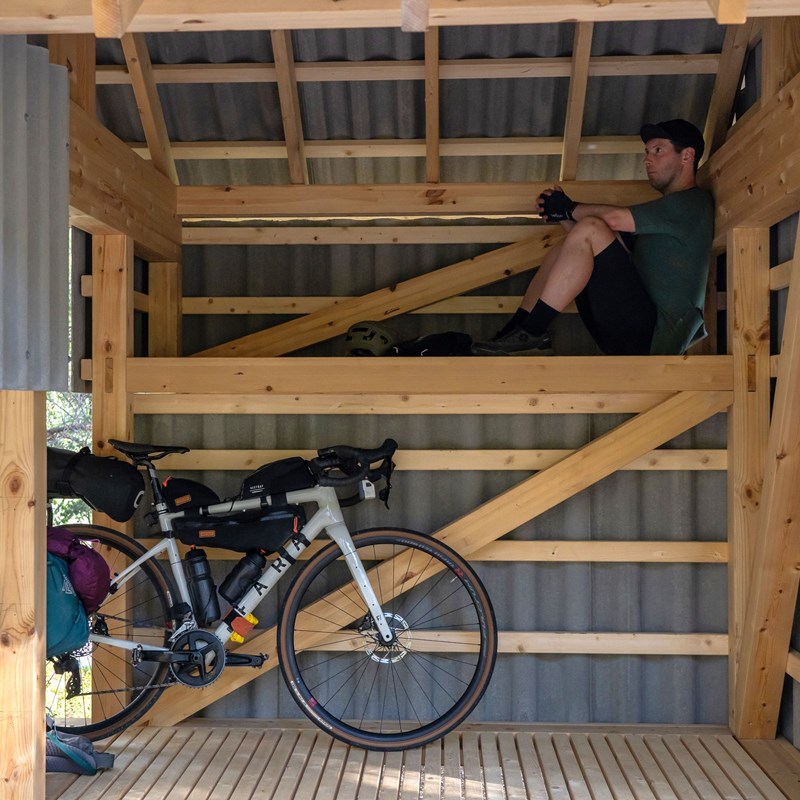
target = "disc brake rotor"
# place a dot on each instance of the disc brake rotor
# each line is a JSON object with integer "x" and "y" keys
{"x": 395, "y": 650}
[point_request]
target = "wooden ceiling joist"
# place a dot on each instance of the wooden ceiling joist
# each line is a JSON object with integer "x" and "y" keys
{"x": 290, "y": 105}
{"x": 493, "y": 519}
{"x": 75, "y": 16}
{"x": 458, "y": 69}
{"x": 393, "y": 200}
{"x": 151, "y": 113}
{"x": 397, "y": 299}
{"x": 576, "y": 101}
{"x": 729, "y": 12}
{"x": 112, "y": 18}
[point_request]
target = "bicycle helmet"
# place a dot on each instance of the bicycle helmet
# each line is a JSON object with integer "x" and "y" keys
{"x": 368, "y": 339}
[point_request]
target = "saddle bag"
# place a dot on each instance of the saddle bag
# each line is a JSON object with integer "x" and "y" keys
{"x": 104, "y": 483}
{"x": 286, "y": 475}
{"x": 267, "y": 531}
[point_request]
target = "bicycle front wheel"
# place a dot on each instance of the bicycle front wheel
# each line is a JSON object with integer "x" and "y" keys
{"x": 100, "y": 690}
{"x": 412, "y": 690}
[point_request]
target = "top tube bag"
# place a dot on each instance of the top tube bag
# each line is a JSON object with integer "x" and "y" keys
{"x": 286, "y": 475}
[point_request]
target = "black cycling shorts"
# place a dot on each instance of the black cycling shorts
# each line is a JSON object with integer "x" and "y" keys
{"x": 615, "y": 306}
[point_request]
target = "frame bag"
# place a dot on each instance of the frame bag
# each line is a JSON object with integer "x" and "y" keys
{"x": 106, "y": 484}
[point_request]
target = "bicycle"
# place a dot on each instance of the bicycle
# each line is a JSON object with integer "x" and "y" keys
{"x": 386, "y": 638}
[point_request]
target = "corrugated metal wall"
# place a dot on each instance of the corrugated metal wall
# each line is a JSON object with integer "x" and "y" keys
{"x": 34, "y": 218}
{"x": 527, "y": 597}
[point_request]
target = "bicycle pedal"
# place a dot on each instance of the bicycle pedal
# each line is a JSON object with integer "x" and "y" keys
{"x": 242, "y": 660}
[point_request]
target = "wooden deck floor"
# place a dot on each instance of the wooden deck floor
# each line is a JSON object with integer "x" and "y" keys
{"x": 227, "y": 762}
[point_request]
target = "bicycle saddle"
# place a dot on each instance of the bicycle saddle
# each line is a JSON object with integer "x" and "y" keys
{"x": 152, "y": 452}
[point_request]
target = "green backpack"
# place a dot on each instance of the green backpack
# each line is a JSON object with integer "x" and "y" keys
{"x": 67, "y": 623}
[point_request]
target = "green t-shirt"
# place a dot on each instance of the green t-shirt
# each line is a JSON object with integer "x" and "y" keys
{"x": 671, "y": 253}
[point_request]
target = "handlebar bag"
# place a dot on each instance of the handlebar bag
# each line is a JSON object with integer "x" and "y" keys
{"x": 286, "y": 475}
{"x": 182, "y": 493}
{"x": 103, "y": 482}
{"x": 267, "y": 531}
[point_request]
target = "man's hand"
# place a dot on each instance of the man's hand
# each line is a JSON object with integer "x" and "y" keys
{"x": 554, "y": 205}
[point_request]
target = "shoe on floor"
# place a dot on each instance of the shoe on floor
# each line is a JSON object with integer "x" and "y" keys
{"x": 516, "y": 343}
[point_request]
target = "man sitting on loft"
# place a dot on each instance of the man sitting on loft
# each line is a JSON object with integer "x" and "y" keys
{"x": 637, "y": 275}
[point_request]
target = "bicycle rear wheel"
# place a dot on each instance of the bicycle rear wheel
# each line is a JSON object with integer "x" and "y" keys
{"x": 99, "y": 690}
{"x": 406, "y": 693}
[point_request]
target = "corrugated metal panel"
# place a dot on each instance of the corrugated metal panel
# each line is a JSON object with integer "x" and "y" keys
{"x": 34, "y": 219}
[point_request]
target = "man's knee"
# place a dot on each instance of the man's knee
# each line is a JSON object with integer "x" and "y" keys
{"x": 594, "y": 230}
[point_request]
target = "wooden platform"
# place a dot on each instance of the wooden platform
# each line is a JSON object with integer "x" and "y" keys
{"x": 251, "y": 760}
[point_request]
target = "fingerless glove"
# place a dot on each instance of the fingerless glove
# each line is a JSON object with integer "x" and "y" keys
{"x": 557, "y": 207}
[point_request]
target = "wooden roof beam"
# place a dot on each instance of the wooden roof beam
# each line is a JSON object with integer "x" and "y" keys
{"x": 432, "y": 130}
{"x": 137, "y": 58}
{"x": 75, "y": 16}
{"x": 290, "y": 105}
{"x": 76, "y": 52}
{"x": 726, "y": 85}
{"x": 581, "y": 52}
{"x": 729, "y": 12}
{"x": 452, "y": 69}
{"x": 112, "y": 18}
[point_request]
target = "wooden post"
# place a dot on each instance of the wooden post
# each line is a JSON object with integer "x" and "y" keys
{"x": 76, "y": 52}
{"x": 748, "y": 418}
{"x": 773, "y": 589}
{"x": 432, "y": 129}
{"x": 23, "y": 605}
{"x": 165, "y": 316}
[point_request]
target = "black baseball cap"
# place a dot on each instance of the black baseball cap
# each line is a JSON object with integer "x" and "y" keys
{"x": 679, "y": 131}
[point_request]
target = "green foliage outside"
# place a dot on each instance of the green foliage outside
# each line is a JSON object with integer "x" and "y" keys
{"x": 69, "y": 427}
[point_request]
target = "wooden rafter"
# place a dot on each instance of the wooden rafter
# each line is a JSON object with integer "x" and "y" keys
{"x": 75, "y": 16}
{"x": 432, "y": 168}
{"x": 507, "y": 511}
{"x": 576, "y": 101}
{"x": 414, "y": 15}
{"x": 147, "y": 101}
{"x": 112, "y": 18}
{"x": 726, "y": 85}
{"x": 290, "y": 105}
{"x": 729, "y": 12}
{"x": 400, "y": 199}
{"x": 397, "y": 299}
{"x": 456, "y": 69}
{"x": 77, "y": 54}
{"x": 773, "y": 589}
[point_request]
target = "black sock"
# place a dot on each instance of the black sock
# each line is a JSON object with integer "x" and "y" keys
{"x": 539, "y": 319}
{"x": 519, "y": 316}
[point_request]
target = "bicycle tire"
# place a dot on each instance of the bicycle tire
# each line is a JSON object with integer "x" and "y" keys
{"x": 388, "y": 697}
{"x": 119, "y": 691}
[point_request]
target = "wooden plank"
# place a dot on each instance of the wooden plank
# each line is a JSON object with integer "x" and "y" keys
{"x": 289, "y": 781}
{"x": 576, "y": 100}
{"x": 779, "y": 276}
{"x": 726, "y": 85}
{"x": 432, "y": 774}
{"x": 729, "y": 12}
{"x": 226, "y": 786}
{"x": 396, "y": 299}
{"x": 492, "y": 771}
{"x": 74, "y": 16}
{"x": 684, "y": 775}
{"x": 573, "y": 772}
{"x": 773, "y": 591}
{"x": 498, "y": 516}
{"x": 554, "y": 778}
{"x": 457, "y": 376}
{"x": 793, "y": 665}
{"x": 493, "y": 460}
{"x": 384, "y": 234}
{"x": 167, "y": 744}
{"x": 391, "y": 776}
{"x": 432, "y": 167}
{"x": 76, "y": 52}
{"x": 112, "y": 18}
{"x": 338, "y": 403}
{"x": 148, "y": 102}
{"x": 142, "y": 206}
{"x": 748, "y": 419}
{"x": 409, "y": 70}
{"x": 265, "y": 761}
{"x": 656, "y": 779}
{"x": 594, "y": 777}
{"x": 23, "y": 623}
{"x": 165, "y": 320}
{"x": 633, "y": 771}
{"x": 334, "y": 766}
{"x": 780, "y": 55}
{"x": 709, "y": 766}
{"x": 351, "y": 777}
{"x": 741, "y": 769}
{"x": 609, "y": 766}
{"x": 407, "y": 199}
{"x": 778, "y": 759}
{"x": 510, "y": 759}
{"x": 412, "y": 775}
{"x": 531, "y": 768}
{"x": 762, "y": 187}
{"x": 290, "y": 104}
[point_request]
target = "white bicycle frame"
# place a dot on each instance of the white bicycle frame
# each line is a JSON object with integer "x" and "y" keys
{"x": 328, "y": 517}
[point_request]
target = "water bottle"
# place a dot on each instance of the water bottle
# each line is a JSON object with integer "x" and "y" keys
{"x": 201, "y": 587}
{"x": 243, "y": 576}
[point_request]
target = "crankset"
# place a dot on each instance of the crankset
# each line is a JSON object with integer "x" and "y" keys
{"x": 197, "y": 658}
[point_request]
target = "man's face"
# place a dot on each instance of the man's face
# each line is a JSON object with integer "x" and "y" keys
{"x": 662, "y": 162}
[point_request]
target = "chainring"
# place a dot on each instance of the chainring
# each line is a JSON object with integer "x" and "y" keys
{"x": 208, "y": 659}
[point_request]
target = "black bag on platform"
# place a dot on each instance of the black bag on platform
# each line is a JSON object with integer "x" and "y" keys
{"x": 267, "y": 531}
{"x": 106, "y": 484}
{"x": 286, "y": 475}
